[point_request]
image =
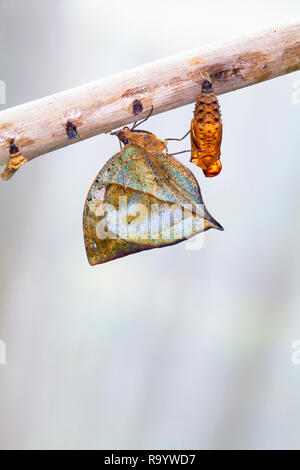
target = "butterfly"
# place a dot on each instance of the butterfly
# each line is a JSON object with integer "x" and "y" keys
{"x": 206, "y": 132}
{"x": 143, "y": 198}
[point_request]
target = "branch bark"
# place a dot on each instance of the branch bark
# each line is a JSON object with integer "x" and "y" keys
{"x": 44, "y": 125}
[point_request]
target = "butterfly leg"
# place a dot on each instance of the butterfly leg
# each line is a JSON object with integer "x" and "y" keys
{"x": 185, "y": 135}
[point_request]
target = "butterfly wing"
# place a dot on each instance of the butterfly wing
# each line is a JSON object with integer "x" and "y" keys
{"x": 149, "y": 214}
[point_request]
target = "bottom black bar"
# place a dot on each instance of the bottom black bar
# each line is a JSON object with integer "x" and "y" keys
{"x": 139, "y": 458}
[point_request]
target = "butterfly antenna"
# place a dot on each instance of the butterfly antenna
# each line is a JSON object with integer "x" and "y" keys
{"x": 137, "y": 123}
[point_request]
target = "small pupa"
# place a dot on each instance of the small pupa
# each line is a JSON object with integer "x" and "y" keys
{"x": 16, "y": 160}
{"x": 206, "y": 131}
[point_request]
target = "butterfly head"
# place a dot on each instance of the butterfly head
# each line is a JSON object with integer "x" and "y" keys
{"x": 123, "y": 135}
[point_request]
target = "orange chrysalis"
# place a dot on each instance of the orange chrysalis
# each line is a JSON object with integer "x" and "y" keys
{"x": 16, "y": 160}
{"x": 206, "y": 132}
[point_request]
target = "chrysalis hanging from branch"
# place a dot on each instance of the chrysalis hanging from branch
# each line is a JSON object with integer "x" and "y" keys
{"x": 206, "y": 132}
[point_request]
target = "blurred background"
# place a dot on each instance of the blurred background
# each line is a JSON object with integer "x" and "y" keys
{"x": 166, "y": 349}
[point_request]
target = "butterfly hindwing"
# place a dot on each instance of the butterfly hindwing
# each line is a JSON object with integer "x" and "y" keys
{"x": 149, "y": 214}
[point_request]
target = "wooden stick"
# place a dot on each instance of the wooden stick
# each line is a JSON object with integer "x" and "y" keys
{"x": 53, "y": 122}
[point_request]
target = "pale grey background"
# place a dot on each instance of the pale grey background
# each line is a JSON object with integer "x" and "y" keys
{"x": 168, "y": 348}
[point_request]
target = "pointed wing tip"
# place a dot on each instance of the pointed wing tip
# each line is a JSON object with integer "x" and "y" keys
{"x": 212, "y": 223}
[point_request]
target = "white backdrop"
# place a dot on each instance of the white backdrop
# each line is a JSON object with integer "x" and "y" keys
{"x": 167, "y": 348}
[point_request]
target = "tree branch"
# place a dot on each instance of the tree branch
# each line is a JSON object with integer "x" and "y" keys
{"x": 53, "y": 122}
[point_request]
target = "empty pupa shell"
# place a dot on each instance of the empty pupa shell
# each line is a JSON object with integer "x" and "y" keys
{"x": 162, "y": 205}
